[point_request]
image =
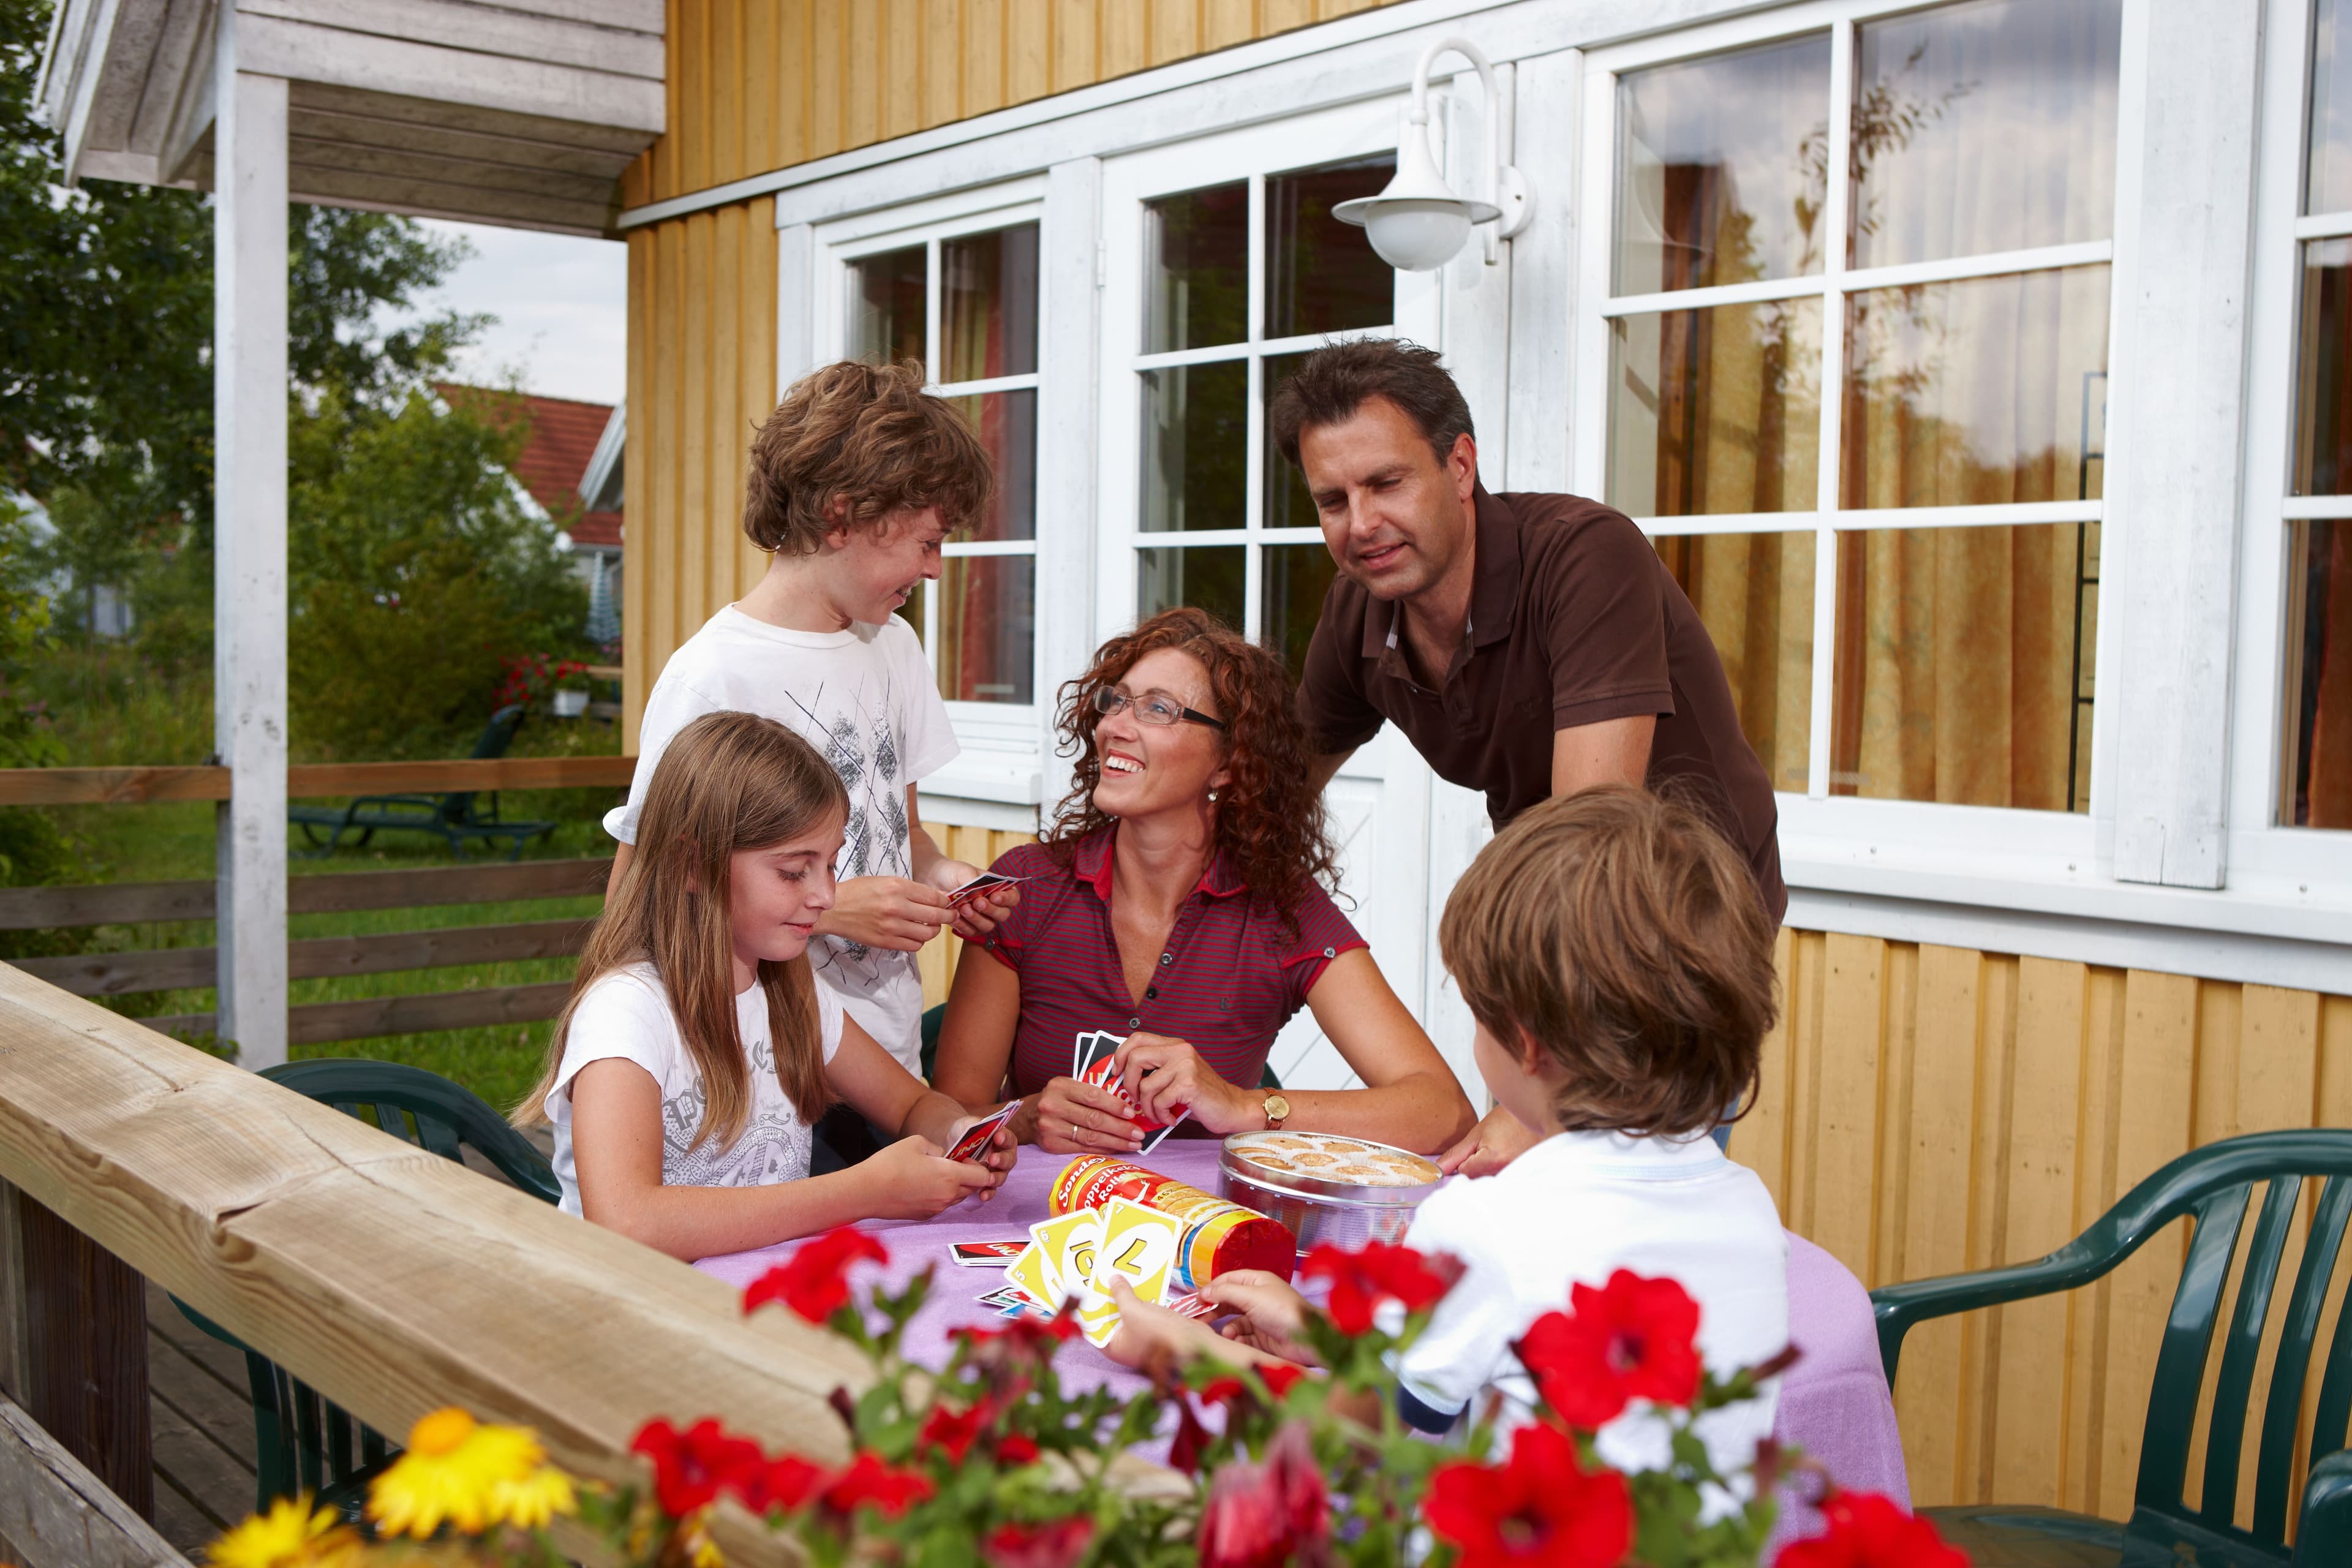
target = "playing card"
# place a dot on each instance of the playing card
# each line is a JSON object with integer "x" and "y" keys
{"x": 1003, "y": 1296}
{"x": 1033, "y": 1276}
{"x": 986, "y": 1254}
{"x": 1094, "y": 1048}
{"x": 1153, "y": 1137}
{"x": 1098, "y": 1320}
{"x": 1067, "y": 1242}
{"x": 974, "y": 1141}
{"x": 1189, "y": 1304}
{"x": 979, "y": 884}
{"x": 1139, "y": 1243}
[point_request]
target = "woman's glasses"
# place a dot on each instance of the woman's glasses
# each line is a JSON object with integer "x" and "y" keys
{"x": 1151, "y": 707}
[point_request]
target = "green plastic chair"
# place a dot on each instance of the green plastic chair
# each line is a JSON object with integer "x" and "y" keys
{"x": 2214, "y": 1186}
{"x": 303, "y": 1443}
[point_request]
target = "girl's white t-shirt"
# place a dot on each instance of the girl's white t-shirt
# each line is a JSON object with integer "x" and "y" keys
{"x": 626, "y": 1013}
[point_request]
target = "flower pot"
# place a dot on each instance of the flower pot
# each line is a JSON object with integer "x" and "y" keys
{"x": 571, "y": 704}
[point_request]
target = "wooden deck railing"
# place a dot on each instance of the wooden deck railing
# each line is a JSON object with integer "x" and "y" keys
{"x": 135, "y": 786}
{"x": 391, "y": 1280}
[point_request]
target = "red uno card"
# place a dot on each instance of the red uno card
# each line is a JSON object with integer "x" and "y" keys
{"x": 974, "y": 1141}
{"x": 986, "y": 1254}
{"x": 986, "y": 881}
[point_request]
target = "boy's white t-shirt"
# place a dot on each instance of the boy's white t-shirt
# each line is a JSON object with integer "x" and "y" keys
{"x": 626, "y": 1013}
{"x": 1574, "y": 1209}
{"x": 865, "y": 698}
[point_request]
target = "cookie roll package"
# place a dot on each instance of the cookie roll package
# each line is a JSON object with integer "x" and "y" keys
{"x": 1219, "y": 1236}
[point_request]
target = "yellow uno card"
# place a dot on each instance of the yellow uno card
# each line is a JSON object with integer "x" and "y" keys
{"x": 1098, "y": 1319}
{"x": 1032, "y": 1275}
{"x": 1139, "y": 1243}
{"x": 1067, "y": 1242}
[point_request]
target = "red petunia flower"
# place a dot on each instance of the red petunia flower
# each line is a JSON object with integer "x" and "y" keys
{"x": 690, "y": 1466}
{"x": 1191, "y": 1440}
{"x": 872, "y": 1482}
{"x": 1024, "y": 1335}
{"x": 954, "y": 1432}
{"x": 1541, "y": 1510}
{"x": 1224, "y": 1390}
{"x": 1632, "y": 1339}
{"x": 1279, "y": 1375}
{"x": 1867, "y": 1530}
{"x": 1057, "y": 1543}
{"x": 786, "y": 1482}
{"x": 1379, "y": 1271}
{"x": 1264, "y": 1515}
{"x": 814, "y": 1281}
{"x": 1014, "y": 1449}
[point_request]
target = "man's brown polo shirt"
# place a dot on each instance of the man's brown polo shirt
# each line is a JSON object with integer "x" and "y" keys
{"x": 1573, "y": 620}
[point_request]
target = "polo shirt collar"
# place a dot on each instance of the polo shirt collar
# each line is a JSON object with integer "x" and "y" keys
{"x": 1093, "y": 861}
{"x": 1494, "y": 587}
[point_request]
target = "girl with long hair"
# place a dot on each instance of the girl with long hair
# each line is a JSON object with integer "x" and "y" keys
{"x": 697, "y": 1052}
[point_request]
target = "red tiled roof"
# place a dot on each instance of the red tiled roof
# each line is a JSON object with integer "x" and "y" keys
{"x": 563, "y": 436}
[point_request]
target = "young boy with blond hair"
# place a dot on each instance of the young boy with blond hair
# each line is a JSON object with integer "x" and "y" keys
{"x": 1611, "y": 949}
{"x": 855, "y": 480}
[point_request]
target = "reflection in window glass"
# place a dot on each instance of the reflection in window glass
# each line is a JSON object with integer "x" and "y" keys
{"x": 988, "y": 304}
{"x": 1287, "y": 504}
{"x": 888, "y": 310}
{"x": 1981, "y": 392}
{"x": 1006, "y": 423}
{"x": 1196, "y": 268}
{"x": 1984, "y": 127}
{"x": 2323, "y": 404}
{"x": 1964, "y": 665}
{"x": 1322, "y": 276}
{"x": 2317, "y": 777}
{"x": 2329, "y": 169}
{"x": 1209, "y": 577}
{"x": 1719, "y": 167}
{"x": 988, "y": 614}
{"x": 1194, "y": 435}
{"x": 1715, "y": 411}
{"x": 1297, "y": 577}
{"x": 1755, "y": 592}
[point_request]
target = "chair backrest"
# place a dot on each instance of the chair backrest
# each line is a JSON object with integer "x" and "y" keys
{"x": 2217, "y": 1185}
{"x": 448, "y": 1117}
{"x": 496, "y": 737}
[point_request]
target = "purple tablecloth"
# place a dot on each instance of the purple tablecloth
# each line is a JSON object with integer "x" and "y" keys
{"x": 1833, "y": 1402}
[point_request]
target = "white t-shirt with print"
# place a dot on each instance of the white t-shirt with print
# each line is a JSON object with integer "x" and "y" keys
{"x": 865, "y": 698}
{"x": 626, "y": 1013}
{"x": 1574, "y": 1209}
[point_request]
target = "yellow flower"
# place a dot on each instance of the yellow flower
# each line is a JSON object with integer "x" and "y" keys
{"x": 451, "y": 1470}
{"x": 533, "y": 1501}
{"x": 289, "y": 1536}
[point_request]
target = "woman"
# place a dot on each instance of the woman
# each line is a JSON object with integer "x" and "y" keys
{"x": 1181, "y": 900}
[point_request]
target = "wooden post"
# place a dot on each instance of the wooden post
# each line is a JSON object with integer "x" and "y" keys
{"x": 249, "y": 179}
{"x": 84, "y": 1339}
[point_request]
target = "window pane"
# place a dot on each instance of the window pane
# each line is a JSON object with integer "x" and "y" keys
{"x": 1194, "y": 426}
{"x": 1286, "y": 502}
{"x": 988, "y": 615}
{"x": 2329, "y": 187}
{"x": 1719, "y": 167}
{"x": 1297, "y": 576}
{"x": 1716, "y": 410}
{"x": 1196, "y": 249}
{"x": 1007, "y": 423}
{"x": 1755, "y": 592}
{"x": 1964, "y": 665}
{"x": 1984, "y": 127}
{"x": 988, "y": 304}
{"x": 1322, "y": 275}
{"x": 2323, "y": 446}
{"x": 2317, "y": 774}
{"x": 888, "y": 308}
{"x": 1209, "y": 577}
{"x": 1979, "y": 392}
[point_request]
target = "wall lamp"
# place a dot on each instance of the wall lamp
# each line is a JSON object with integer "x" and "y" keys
{"x": 1418, "y": 223}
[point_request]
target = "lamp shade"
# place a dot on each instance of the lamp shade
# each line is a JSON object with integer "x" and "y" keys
{"x": 1417, "y": 224}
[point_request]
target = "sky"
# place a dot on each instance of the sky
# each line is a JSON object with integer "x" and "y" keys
{"x": 562, "y": 305}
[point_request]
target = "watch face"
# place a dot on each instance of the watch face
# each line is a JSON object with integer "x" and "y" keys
{"x": 1276, "y": 1108}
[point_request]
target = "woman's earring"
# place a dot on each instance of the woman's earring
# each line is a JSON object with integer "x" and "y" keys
{"x": 1213, "y": 797}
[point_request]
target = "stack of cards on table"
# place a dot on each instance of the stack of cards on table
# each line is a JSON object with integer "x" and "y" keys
{"x": 1075, "y": 1255}
{"x": 1094, "y": 1061}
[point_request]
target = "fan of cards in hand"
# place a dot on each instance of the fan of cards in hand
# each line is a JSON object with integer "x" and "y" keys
{"x": 1094, "y": 1062}
{"x": 1075, "y": 1254}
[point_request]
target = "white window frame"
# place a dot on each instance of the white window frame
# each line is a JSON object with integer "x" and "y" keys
{"x": 1252, "y": 153}
{"x": 1862, "y": 832}
{"x": 1003, "y": 740}
{"x": 2264, "y": 849}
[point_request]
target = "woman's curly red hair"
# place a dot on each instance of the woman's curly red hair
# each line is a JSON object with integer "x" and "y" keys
{"x": 1270, "y": 820}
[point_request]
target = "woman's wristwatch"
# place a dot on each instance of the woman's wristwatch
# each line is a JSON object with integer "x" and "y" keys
{"x": 1277, "y": 1112}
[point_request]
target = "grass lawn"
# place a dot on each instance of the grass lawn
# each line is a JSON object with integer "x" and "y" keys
{"x": 172, "y": 841}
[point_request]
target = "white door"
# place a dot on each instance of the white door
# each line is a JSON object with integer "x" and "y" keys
{"x": 1222, "y": 267}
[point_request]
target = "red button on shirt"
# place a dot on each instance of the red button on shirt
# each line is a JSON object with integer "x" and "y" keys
{"x": 1232, "y": 975}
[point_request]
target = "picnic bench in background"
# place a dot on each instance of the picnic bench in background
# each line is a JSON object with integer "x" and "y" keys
{"x": 455, "y": 817}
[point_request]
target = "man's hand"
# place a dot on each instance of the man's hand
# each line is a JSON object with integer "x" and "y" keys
{"x": 1165, "y": 1076}
{"x": 977, "y": 919}
{"x": 885, "y": 911}
{"x": 1491, "y": 1145}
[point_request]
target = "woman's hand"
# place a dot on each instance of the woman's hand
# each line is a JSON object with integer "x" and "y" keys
{"x": 1074, "y": 1118}
{"x": 910, "y": 1180}
{"x": 1272, "y": 1313}
{"x": 976, "y": 920}
{"x": 885, "y": 911}
{"x": 996, "y": 1156}
{"x": 1493, "y": 1144}
{"x": 1166, "y": 1077}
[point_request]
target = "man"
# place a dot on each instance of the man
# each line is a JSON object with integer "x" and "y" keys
{"x": 1527, "y": 646}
